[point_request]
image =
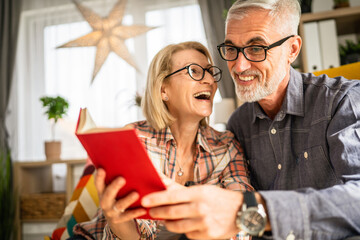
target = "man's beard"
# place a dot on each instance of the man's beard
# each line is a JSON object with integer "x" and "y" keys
{"x": 256, "y": 91}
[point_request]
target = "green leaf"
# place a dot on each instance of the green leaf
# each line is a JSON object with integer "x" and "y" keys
{"x": 56, "y": 107}
{"x": 8, "y": 198}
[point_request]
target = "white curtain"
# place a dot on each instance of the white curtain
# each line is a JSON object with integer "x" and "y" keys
{"x": 41, "y": 69}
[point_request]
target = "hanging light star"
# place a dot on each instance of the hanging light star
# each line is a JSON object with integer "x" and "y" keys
{"x": 108, "y": 35}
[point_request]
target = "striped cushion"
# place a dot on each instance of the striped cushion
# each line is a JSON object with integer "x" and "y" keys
{"x": 82, "y": 206}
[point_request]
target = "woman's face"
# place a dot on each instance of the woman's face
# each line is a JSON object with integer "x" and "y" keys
{"x": 189, "y": 99}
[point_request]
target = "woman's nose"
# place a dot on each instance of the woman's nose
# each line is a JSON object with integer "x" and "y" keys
{"x": 208, "y": 78}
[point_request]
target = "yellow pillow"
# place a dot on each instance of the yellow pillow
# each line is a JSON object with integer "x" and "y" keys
{"x": 349, "y": 71}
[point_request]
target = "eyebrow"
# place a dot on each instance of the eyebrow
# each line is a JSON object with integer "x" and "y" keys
{"x": 252, "y": 40}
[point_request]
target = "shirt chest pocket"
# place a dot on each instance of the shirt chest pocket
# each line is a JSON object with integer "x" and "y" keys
{"x": 314, "y": 169}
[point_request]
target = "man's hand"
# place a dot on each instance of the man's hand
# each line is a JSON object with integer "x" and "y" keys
{"x": 202, "y": 211}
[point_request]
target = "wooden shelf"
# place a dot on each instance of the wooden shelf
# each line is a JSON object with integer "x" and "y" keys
{"x": 36, "y": 177}
{"x": 39, "y": 220}
{"x": 333, "y": 14}
{"x": 347, "y": 22}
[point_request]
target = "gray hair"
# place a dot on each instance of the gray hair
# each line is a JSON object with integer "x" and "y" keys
{"x": 287, "y": 11}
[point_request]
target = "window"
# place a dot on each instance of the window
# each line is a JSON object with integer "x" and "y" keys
{"x": 44, "y": 70}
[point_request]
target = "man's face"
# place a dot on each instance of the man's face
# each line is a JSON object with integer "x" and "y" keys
{"x": 257, "y": 80}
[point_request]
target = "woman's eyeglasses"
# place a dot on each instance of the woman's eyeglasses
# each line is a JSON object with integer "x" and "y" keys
{"x": 197, "y": 72}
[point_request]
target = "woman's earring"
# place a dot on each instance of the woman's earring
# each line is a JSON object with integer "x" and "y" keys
{"x": 166, "y": 98}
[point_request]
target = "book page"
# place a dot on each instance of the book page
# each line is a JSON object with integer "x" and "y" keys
{"x": 85, "y": 121}
{"x": 87, "y": 125}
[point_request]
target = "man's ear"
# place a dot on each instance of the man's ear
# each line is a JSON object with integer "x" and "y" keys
{"x": 295, "y": 47}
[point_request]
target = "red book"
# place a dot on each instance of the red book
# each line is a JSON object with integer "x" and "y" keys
{"x": 120, "y": 153}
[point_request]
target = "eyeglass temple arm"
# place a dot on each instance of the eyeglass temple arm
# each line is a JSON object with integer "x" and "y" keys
{"x": 278, "y": 43}
{"x": 177, "y": 71}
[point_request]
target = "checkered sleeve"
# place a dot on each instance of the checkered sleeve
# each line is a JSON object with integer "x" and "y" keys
{"x": 98, "y": 228}
{"x": 146, "y": 230}
{"x": 236, "y": 175}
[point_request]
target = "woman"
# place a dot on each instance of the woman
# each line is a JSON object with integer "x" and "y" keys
{"x": 181, "y": 85}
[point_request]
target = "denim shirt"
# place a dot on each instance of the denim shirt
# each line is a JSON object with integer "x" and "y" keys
{"x": 306, "y": 162}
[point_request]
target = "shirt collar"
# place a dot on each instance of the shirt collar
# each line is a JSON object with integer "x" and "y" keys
{"x": 165, "y": 135}
{"x": 202, "y": 140}
{"x": 293, "y": 101}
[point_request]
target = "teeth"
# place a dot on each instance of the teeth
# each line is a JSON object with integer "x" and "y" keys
{"x": 246, "y": 78}
{"x": 202, "y": 93}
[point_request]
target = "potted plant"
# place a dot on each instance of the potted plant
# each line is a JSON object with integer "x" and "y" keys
{"x": 350, "y": 52}
{"x": 341, "y": 3}
{"x": 8, "y": 197}
{"x": 56, "y": 108}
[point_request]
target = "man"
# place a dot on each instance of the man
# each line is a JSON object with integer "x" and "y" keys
{"x": 300, "y": 133}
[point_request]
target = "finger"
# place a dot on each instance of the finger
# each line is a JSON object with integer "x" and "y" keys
{"x": 122, "y": 204}
{"x": 128, "y": 215}
{"x": 197, "y": 228}
{"x": 110, "y": 192}
{"x": 193, "y": 225}
{"x": 167, "y": 197}
{"x": 100, "y": 180}
{"x": 198, "y": 235}
{"x": 179, "y": 211}
{"x": 169, "y": 183}
{"x": 162, "y": 175}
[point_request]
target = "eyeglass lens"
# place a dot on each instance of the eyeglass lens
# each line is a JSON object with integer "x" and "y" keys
{"x": 197, "y": 72}
{"x": 255, "y": 53}
{"x": 252, "y": 53}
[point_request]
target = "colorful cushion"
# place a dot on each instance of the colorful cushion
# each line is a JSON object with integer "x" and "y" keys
{"x": 82, "y": 206}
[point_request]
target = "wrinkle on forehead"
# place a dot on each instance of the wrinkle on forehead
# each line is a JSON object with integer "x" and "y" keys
{"x": 258, "y": 26}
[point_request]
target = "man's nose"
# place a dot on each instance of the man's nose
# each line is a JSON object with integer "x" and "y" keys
{"x": 241, "y": 63}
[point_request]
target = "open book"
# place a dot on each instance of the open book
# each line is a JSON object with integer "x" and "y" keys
{"x": 120, "y": 153}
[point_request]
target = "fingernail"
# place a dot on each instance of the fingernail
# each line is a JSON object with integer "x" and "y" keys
{"x": 145, "y": 202}
{"x": 135, "y": 195}
{"x": 121, "y": 181}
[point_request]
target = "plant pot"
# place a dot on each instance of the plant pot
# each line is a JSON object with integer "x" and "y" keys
{"x": 342, "y": 5}
{"x": 350, "y": 58}
{"x": 52, "y": 150}
{"x": 306, "y": 6}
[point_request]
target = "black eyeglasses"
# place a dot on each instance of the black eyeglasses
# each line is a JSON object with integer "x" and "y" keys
{"x": 197, "y": 72}
{"x": 253, "y": 53}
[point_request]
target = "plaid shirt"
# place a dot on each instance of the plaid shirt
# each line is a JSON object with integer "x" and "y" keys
{"x": 219, "y": 161}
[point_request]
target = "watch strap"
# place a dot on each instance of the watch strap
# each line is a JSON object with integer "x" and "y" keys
{"x": 249, "y": 199}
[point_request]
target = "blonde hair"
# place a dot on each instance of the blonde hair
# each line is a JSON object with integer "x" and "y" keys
{"x": 153, "y": 107}
{"x": 287, "y": 12}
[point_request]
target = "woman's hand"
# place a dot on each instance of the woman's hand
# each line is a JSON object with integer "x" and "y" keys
{"x": 118, "y": 217}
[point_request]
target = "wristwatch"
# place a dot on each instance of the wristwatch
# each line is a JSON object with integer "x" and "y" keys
{"x": 251, "y": 218}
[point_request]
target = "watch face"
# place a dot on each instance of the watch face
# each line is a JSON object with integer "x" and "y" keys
{"x": 252, "y": 221}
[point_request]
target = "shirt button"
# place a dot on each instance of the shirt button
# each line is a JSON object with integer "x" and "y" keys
{"x": 273, "y": 131}
{"x": 282, "y": 114}
{"x": 279, "y": 166}
{"x": 291, "y": 236}
{"x": 306, "y": 155}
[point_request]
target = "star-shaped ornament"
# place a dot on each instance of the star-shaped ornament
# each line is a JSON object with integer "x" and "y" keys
{"x": 108, "y": 35}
